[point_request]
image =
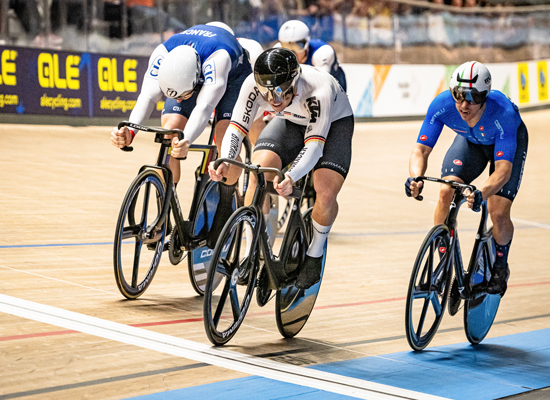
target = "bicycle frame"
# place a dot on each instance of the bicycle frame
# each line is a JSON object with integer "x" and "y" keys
{"x": 455, "y": 254}
{"x": 275, "y": 265}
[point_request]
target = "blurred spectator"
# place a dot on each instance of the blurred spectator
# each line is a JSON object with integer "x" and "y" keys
{"x": 30, "y": 16}
{"x": 143, "y": 17}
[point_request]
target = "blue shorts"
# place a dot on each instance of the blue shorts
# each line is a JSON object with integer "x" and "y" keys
{"x": 467, "y": 160}
{"x": 224, "y": 108}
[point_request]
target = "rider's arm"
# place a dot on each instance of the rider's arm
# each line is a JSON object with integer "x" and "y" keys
{"x": 243, "y": 114}
{"x": 150, "y": 91}
{"x": 216, "y": 70}
{"x": 319, "y": 106}
{"x": 418, "y": 162}
{"x": 495, "y": 182}
{"x": 324, "y": 58}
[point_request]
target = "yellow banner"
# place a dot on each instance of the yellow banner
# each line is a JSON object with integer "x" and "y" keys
{"x": 523, "y": 82}
{"x": 542, "y": 78}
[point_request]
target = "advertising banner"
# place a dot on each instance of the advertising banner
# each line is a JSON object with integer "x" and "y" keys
{"x": 52, "y": 82}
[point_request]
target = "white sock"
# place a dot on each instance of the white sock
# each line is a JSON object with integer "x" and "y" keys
{"x": 320, "y": 235}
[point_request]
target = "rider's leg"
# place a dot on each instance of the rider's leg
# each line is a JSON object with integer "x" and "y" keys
{"x": 327, "y": 184}
{"x": 503, "y": 230}
{"x": 444, "y": 200}
{"x": 174, "y": 121}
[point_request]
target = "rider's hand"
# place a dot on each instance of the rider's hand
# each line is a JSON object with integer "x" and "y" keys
{"x": 285, "y": 187}
{"x": 474, "y": 200}
{"x": 217, "y": 175}
{"x": 121, "y": 137}
{"x": 412, "y": 188}
{"x": 180, "y": 148}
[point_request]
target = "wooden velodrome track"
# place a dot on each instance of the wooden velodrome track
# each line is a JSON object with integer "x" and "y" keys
{"x": 60, "y": 192}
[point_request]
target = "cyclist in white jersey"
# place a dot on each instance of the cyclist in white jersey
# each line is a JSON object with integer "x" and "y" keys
{"x": 312, "y": 129}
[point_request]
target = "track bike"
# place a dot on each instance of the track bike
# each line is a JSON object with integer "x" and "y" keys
{"x": 237, "y": 257}
{"x": 430, "y": 282}
{"x": 144, "y": 219}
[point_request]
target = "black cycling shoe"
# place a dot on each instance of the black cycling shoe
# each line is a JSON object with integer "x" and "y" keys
{"x": 223, "y": 212}
{"x": 498, "y": 282}
{"x": 454, "y": 298}
{"x": 310, "y": 273}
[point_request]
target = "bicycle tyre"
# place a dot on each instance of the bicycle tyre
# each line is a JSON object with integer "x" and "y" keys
{"x": 294, "y": 306}
{"x": 480, "y": 312}
{"x": 199, "y": 258}
{"x": 238, "y": 272}
{"x": 147, "y": 181}
{"x": 422, "y": 286}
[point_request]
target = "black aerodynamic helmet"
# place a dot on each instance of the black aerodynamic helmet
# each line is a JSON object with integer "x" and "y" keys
{"x": 276, "y": 72}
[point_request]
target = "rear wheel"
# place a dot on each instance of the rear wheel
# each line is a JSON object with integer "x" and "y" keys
{"x": 293, "y": 306}
{"x": 236, "y": 268}
{"x": 199, "y": 258}
{"x": 480, "y": 311}
{"x": 428, "y": 288}
{"x": 136, "y": 256}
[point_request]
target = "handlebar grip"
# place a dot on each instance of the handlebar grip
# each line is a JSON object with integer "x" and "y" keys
{"x": 180, "y": 137}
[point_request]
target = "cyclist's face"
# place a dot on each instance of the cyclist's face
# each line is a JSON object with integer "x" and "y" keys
{"x": 470, "y": 112}
{"x": 280, "y": 106}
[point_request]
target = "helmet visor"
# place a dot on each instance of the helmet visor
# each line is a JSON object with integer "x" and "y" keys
{"x": 298, "y": 46}
{"x": 274, "y": 93}
{"x": 471, "y": 95}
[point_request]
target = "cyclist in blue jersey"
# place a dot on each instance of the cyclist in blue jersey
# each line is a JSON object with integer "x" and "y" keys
{"x": 489, "y": 130}
{"x": 198, "y": 70}
{"x": 294, "y": 35}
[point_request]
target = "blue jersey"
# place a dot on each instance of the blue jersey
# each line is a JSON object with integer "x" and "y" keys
{"x": 498, "y": 125}
{"x": 335, "y": 69}
{"x": 206, "y": 40}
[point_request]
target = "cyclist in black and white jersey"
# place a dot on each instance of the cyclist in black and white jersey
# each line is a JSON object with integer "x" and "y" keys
{"x": 312, "y": 129}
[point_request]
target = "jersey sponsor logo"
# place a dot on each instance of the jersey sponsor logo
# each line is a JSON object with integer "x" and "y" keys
{"x": 153, "y": 71}
{"x": 176, "y": 108}
{"x": 500, "y": 153}
{"x": 297, "y": 160}
{"x": 457, "y": 162}
{"x": 499, "y": 127}
{"x": 234, "y": 146}
{"x": 252, "y": 96}
{"x": 227, "y": 115}
{"x": 198, "y": 32}
{"x": 209, "y": 71}
{"x": 314, "y": 109}
{"x": 481, "y": 128}
{"x": 423, "y": 138}
{"x": 437, "y": 114}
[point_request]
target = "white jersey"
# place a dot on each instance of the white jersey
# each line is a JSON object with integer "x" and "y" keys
{"x": 319, "y": 101}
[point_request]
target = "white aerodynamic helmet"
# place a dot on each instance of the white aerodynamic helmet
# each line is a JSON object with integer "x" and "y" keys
{"x": 221, "y": 25}
{"x": 252, "y": 47}
{"x": 471, "y": 82}
{"x": 294, "y": 35}
{"x": 180, "y": 72}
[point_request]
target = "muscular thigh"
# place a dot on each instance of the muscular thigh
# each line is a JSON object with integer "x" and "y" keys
{"x": 282, "y": 137}
{"x": 337, "y": 149}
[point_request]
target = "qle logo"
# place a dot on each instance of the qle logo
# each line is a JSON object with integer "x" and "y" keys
{"x": 314, "y": 108}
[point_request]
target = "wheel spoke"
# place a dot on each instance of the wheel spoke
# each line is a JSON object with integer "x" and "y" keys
{"x": 234, "y": 298}
{"x": 221, "y": 303}
{"x": 434, "y": 298}
{"x": 422, "y": 317}
{"x": 135, "y": 269}
{"x": 145, "y": 209}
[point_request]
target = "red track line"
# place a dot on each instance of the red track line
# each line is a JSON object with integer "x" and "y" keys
{"x": 184, "y": 321}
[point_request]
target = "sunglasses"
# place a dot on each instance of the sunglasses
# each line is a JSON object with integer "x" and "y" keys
{"x": 298, "y": 46}
{"x": 471, "y": 95}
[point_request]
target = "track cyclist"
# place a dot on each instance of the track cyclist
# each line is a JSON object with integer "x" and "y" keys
{"x": 489, "y": 130}
{"x": 198, "y": 70}
{"x": 312, "y": 129}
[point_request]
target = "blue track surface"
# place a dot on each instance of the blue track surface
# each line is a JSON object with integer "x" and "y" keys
{"x": 497, "y": 367}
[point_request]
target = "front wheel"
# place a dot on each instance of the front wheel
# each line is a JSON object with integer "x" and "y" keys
{"x": 428, "y": 288}
{"x": 235, "y": 263}
{"x": 137, "y": 256}
{"x": 480, "y": 311}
